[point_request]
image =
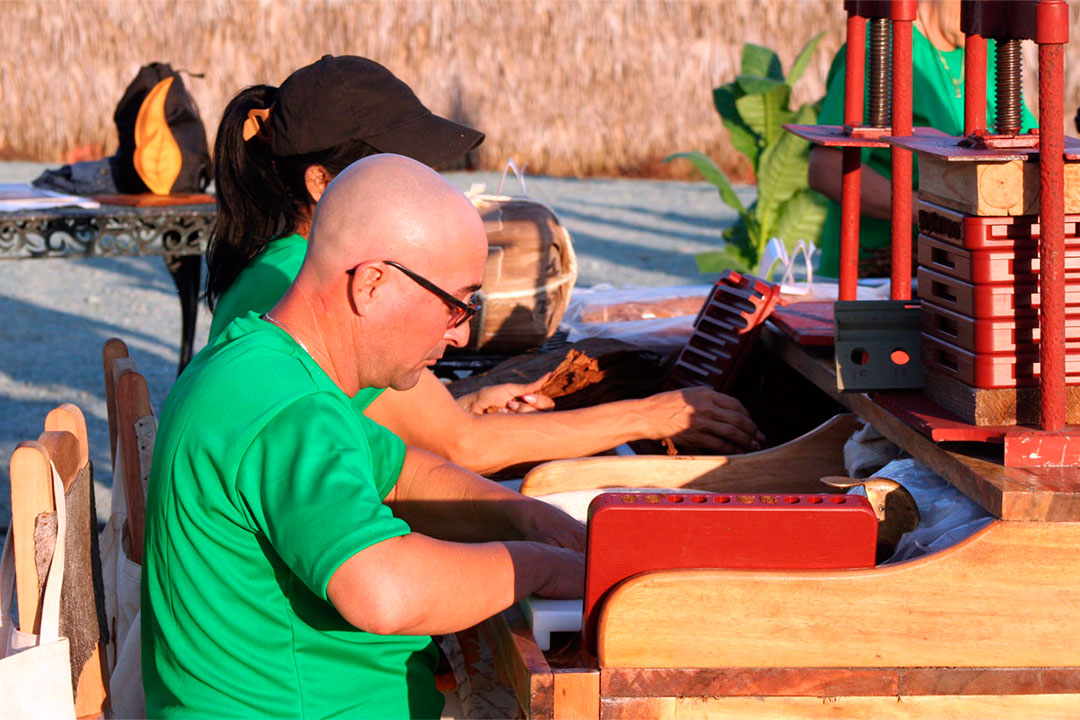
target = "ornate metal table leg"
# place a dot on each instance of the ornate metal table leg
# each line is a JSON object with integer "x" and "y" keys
{"x": 186, "y": 271}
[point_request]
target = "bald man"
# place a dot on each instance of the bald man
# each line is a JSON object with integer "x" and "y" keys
{"x": 298, "y": 555}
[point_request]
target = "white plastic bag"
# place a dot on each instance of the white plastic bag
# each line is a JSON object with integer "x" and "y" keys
{"x": 947, "y": 515}
{"x": 35, "y": 670}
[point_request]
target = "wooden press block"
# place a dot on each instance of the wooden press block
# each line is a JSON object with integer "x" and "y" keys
{"x": 1003, "y": 598}
{"x": 1002, "y": 300}
{"x": 1019, "y": 266}
{"x": 988, "y": 407}
{"x": 1019, "y": 334}
{"x": 632, "y": 533}
{"x": 991, "y": 188}
{"x": 983, "y": 370}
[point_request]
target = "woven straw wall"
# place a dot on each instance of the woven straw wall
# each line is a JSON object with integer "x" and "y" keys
{"x": 568, "y": 86}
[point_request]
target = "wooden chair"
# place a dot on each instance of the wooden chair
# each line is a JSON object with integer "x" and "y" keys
{"x": 132, "y": 427}
{"x": 63, "y": 444}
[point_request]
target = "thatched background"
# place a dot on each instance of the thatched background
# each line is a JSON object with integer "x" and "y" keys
{"x": 570, "y": 87}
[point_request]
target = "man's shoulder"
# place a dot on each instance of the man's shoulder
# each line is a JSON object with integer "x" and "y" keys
{"x": 250, "y": 370}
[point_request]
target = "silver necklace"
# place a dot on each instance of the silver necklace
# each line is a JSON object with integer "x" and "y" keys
{"x": 267, "y": 317}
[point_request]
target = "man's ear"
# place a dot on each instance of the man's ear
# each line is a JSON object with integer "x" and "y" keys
{"x": 316, "y": 178}
{"x": 366, "y": 286}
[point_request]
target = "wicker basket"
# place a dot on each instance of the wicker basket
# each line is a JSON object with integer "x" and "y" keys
{"x": 530, "y": 271}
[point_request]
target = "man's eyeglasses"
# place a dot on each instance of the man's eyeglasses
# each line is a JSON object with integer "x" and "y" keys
{"x": 460, "y": 312}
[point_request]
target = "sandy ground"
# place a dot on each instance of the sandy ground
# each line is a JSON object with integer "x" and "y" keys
{"x": 57, "y": 313}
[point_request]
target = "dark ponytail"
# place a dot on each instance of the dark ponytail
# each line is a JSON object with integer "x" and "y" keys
{"x": 260, "y": 197}
{"x": 253, "y": 203}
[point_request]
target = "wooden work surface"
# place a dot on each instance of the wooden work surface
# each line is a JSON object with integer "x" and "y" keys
{"x": 1025, "y": 494}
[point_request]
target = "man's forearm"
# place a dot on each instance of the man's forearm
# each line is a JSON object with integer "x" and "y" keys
{"x": 446, "y": 501}
{"x": 501, "y": 440}
{"x": 416, "y": 585}
{"x": 825, "y": 176}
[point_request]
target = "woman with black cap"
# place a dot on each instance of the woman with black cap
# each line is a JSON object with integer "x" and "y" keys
{"x": 276, "y": 151}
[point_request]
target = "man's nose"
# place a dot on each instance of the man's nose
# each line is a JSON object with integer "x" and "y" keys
{"x": 457, "y": 336}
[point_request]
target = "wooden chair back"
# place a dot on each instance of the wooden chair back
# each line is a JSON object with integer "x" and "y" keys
{"x": 131, "y": 429}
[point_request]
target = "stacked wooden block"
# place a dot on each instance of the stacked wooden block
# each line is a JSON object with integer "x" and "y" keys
{"x": 978, "y": 281}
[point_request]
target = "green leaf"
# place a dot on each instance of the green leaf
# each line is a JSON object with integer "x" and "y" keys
{"x": 766, "y": 113}
{"x": 743, "y": 138}
{"x": 802, "y": 60}
{"x": 752, "y": 84}
{"x": 800, "y": 218}
{"x": 782, "y": 172}
{"x": 761, "y": 61}
{"x": 714, "y": 175}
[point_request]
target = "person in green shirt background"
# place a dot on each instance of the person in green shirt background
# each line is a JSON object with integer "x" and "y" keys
{"x": 937, "y": 51}
{"x": 276, "y": 150}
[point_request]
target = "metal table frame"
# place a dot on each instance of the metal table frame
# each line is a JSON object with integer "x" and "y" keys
{"x": 179, "y": 233}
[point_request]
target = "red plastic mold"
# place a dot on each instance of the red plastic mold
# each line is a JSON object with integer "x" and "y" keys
{"x": 987, "y": 301}
{"x": 987, "y": 233}
{"x": 994, "y": 371}
{"x": 635, "y": 532}
{"x": 729, "y": 320}
{"x": 1002, "y": 335}
{"x": 1019, "y": 265}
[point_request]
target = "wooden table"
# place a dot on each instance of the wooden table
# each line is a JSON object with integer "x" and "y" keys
{"x": 179, "y": 233}
{"x": 987, "y": 628}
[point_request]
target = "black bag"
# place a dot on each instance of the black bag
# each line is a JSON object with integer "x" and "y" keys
{"x": 163, "y": 145}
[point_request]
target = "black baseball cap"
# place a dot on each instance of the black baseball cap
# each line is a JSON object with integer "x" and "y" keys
{"x": 339, "y": 99}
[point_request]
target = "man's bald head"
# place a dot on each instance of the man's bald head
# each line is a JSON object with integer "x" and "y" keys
{"x": 386, "y": 231}
{"x": 389, "y": 207}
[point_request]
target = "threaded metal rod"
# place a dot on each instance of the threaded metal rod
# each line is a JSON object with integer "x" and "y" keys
{"x": 1009, "y": 86}
{"x": 880, "y": 76}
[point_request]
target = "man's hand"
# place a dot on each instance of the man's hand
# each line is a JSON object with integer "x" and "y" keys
{"x": 567, "y": 573}
{"x": 548, "y": 524}
{"x": 704, "y": 420}
{"x": 508, "y": 398}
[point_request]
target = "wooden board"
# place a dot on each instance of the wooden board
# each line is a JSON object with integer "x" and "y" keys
{"x": 114, "y": 349}
{"x": 795, "y": 466}
{"x": 152, "y": 200}
{"x": 1044, "y": 707}
{"x": 832, "y": 682}
{"x": 1036, "y": 494}
{"x": 807, "y": 323}
{"x": 981, "y": 603}
{"x": 132, "y": 403}
{"x": 991, "y": 188}
{"x": 994, "y": 406}
{"x": 934, "y": 421}
{"x": 520, "y": 664}
{"x": 31, "y": 495}
{"x": 576, "y": 693}
{"x": 66, "y": 440}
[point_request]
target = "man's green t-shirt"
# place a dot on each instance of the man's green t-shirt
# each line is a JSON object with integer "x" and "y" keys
{"x": 261, "y": 284}
{"x": 937, "y": 102}
{"x": 266, "y": 478}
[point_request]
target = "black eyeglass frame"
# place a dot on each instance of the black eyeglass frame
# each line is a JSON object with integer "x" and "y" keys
{"x": 467, "y": 310}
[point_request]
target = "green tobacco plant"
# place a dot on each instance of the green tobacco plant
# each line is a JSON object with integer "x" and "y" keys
{"x": 754, "y": 108}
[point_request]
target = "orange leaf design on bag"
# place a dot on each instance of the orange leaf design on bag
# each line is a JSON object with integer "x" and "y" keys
{"x": 157, "y": 156}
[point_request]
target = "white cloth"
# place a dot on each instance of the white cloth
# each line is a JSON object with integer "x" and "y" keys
{"x": 35, "y": 670}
